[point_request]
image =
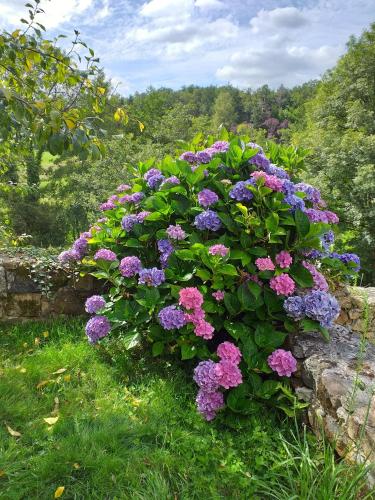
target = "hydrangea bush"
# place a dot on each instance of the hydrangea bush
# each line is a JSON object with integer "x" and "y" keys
{"x": 215, "y": 255}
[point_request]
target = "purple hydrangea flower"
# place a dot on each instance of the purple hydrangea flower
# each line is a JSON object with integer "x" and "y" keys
{"x": 97, "y": 328}
{"x": 171, "y": 180}
{"x": 94, "y": 304}
{"x": 151, "y": 173}
{"x": 282, "y": 362}
{"x": 322, "y": 307}
{"x": 142, "y": 215}
{"x": 260, "y": 160}
{"x": 151, "y": 277}
{"x": 108, "y": 205}
{"x": 130, "y": 266}
{"x": 207, "y": 220}
{"x": 295, "y": 307}
{"x": 348, "y": 258}
{"x": 129, "y": 221}
{"x": 80, "y": 246}
{"x": 68, "y": 256}
{"x": 189, "y": 156}
{"x": 295, "y": 202}
{"x": 312, "y": 194}
{"x": 321, "y": 216}
{"x": 288, "y": 187}
{"x": 279, "y": 172}
{"x": 240, "y": 192}
{"x": 327, "y": 239}
{"x": 206, "y": 377}
{"x": 137, "y": 197}
{"x": 155, "y": 181}
{"x": 123, "y": 187}
{"x": 209, "y": 403}
{"x": 170, "y": 318}
{"x": 165, "y": 248}
{"x": 206, "y": 197}
{"x": 176, "y": 232}
{"x": 104, "y": 254}
{"x": 220, "y": 146}
{"x": 203, "y": 157}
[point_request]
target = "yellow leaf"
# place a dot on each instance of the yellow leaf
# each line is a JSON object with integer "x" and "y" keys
{"x": 67, "y": 378}
{"x": 69, "y": 123}
{"x": 37, "y": 341}
{"x": 59, "y": 491}
{"x": 2, "y": 473}
{"x": 51, "y": 420}
{"x": 23, "y": 370}
{"x": 25, "y": 344}
{"x": 76, "y": 466}
{"x": 45, "y": 334}
{"x": 101, "y": 90}
{"x": 60, "y": 370}
{"x": 141, "y": 126}
{"x": 13, "y": 432}
{"x": 42, "y": 384}
{"x": 121, "y": 115}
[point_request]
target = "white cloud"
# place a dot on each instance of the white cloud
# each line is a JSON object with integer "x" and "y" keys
{"x": 166, "y": 8}
{"x": 209, "y": 4}
{"x": 286, "y": 17}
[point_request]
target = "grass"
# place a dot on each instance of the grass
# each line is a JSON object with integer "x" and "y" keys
{"x": 128, "y": 429}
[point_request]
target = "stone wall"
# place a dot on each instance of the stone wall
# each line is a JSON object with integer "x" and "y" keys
{"x": 22, "y": 299}
{"x": 357, "y": 309}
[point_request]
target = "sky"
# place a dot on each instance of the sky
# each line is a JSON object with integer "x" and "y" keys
{"x": 172, "y": 43}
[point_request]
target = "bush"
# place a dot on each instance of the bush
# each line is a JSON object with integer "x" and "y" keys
{"x": 215, "y": 256}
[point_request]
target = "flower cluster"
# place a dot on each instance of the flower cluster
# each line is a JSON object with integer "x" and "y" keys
{"x": 282, "y": 362}
{"x": 206, "y": 197}
{"x": 94, "y": 304}
{"x": 210, "y": 376}
{"x": 208, "y": 220}
{"x": 317, "y": 305}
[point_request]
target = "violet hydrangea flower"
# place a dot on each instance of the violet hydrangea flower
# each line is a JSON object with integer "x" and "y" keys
{"x": 218, "y": 295}
{"x": 240, "y": 192}
{"x": 283, "y": 259}
{"x": 218, "y": 249}
{"x": 209, "y": 403}
{"x": 130, "y": 266}
{"x": 170, "y": 318}
{"x": 189, "y": 156}
{"x": 206, "y": 197}
{"x": 205, "y": 376}
{"x": 321, "y": 306}
{"x": 129, "y": 221}
{"x": 295, "y": 307}
{"x": 151, "y": 277}
{"x": 176, "y": 232}
{"x": 320, "y": 282}
{"x": 104, "y": 254}
{"x": 97, "y": 328}
{"x": 165, "y": 248}
{"x": 208, "y": 220}
{"x": 94, "y": 304}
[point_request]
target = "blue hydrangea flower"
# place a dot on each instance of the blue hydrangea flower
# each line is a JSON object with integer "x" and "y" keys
{"x": 97, "y": 328}
{"x": 151, "y": 277}
{"x": 321, "y": 306}
{"x": 170, "y": 318}
{"x": 207, "y": 220}
{"x": 240, "y": 192}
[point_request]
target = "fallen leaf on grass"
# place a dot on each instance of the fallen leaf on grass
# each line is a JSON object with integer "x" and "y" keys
{"x": 22, "y": 370}
{"x": 13, "y": 432}
{"x": 76, "y": 466}
{"x": 42, "y": 384}
{"x": 2, "y": 473}
{"x": 45, "y": 334}
{"x": 59, "y": 491}
{"x": 60, "y": 370}
{"x": 37, "y": 341}
{"x": 51, "y": 420}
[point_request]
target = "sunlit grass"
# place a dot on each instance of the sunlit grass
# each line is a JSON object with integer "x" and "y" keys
{"x": 128, "y": 428}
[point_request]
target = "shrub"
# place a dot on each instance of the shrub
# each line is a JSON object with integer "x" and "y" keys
{"x": 216, "y": 255}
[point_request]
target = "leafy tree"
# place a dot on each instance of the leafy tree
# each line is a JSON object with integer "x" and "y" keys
{"x": 340, "y": 130}
{"x": 224, "y": 111}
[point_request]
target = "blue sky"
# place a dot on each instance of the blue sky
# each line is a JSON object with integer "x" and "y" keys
{"x": 173, "y": 43}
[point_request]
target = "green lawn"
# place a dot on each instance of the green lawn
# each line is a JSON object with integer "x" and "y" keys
{"x": 128, "y": 428}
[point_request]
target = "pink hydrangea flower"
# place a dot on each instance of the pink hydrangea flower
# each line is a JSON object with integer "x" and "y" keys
{"x": 282, "y": 284}
{"x": 320, "y": 283}
{"x": 195, "y": 317}
{"x": 219, "y": 249}
{"x": 283, "y": 259}
{"x": 191, "y": 298}
{"x": 229, "y": 352}
{"x": 270, "y": 181}
{"x": 282, "y": 362}
{"x": 229, "y": 375}
{"x": 204, "y": 329}
{"x": 265, "y": 264}
{"x": 219, "y": 295}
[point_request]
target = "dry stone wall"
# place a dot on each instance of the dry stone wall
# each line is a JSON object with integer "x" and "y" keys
{"x": 22, "y": 298}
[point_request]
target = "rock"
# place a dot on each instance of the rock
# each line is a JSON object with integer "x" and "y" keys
{"x": 341, "y": 376}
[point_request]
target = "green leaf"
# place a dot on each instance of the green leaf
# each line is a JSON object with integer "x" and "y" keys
{"x": 272, "y": 222}
{"x": 157, "y": 348}
{"x": 267, "y": 337}
{"x": 228, "y": 269}
{"x": 203, "y": 274}
{"x": 246, "y": 298}
{"x": 184, "y": 254}
{"x": 188, "y": 351}
{"x": 309, "y": 325}
{"x": 237, "y": 330}
{"x": 301, "y": 275}
{"x": 258, "y": 251}
{"x": 302, "y": 223}
{"x": 131, "y": 339}
{"x": 231, "y": 303}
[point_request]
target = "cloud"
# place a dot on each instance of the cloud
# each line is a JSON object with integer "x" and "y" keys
{"x": 286, "y": 17}
{"x": 166, "y": 8}
{"x": 209, "y": 4}
{"x": 277, "y": 65}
